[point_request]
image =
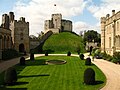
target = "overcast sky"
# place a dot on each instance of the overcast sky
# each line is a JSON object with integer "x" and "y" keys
{"x": 85, "y": 14}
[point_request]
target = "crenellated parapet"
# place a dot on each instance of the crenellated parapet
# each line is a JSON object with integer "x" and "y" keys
{"x": 57, "y": 24}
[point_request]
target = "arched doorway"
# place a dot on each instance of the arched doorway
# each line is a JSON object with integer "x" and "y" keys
{"x": 21, "y": 48}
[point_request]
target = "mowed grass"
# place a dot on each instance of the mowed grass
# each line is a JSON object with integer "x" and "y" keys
{"x": 64, "y": 42}
{"x": 38, "y": 76}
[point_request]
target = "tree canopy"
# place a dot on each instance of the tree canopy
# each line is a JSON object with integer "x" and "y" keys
{"x": 91, "y": 36}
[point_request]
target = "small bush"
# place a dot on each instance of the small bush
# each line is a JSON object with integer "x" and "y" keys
{"x": 9, "y": 54}
{"x": 116, "y": 57}
{"x": 82, "y": 56}
{"x": 89, "y": 76}
{"x": 69, "y": 53}
{"x": 31, "y": 56}
{"x": 88, "y": 61}
{"x": 22, "y": 61}
{"x": 46, "y": 53}
{"x": 10, "y": 76}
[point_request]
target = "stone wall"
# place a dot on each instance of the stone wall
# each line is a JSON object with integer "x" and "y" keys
{"x": 110, "y": 33}
{"x": 57, "y": 24}
{"x": 20, "y": 34}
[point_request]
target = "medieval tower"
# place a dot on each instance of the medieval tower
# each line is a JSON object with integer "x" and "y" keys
{"x": 19, "y": 31}
{"x": 57, "y": 24}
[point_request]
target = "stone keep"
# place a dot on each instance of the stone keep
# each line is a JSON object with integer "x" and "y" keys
{"x": 110, "y": 33}
{"x": 57, "y": 24}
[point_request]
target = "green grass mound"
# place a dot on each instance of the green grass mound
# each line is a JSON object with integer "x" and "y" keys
{"x": 64, "y": 42}
{"x": 36, "y": 75}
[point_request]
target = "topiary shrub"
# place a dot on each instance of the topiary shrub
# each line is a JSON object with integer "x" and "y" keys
{"x": 89, "y": 76}
{"x": 46, "y": 53}
{"x": 69, "y": 53}
{"x": 22, "y": 61}
{"x": 31, "y": 56}
{"x": 88, "y": 61}
{"x": 82, "y": 56}
{"x": 10, "y": 77}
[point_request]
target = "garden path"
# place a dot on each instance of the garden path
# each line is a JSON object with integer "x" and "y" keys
{"x": 111, "y": 70}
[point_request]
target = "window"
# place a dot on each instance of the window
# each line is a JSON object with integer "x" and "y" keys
{"x": 109, "y": 42}
{"x": 118, "y": 26}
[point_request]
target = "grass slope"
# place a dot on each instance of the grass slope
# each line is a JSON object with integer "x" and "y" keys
{"x": 69, "y": 76}
{"x": 64, "y": 42}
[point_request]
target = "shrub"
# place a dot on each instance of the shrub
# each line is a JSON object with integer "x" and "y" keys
{"x": 31, "y": 56}
{"x": 69, "y": 53}
{"x": 10, "y": 76}
{"x": 46, "y": 53}
{"x": 88, "y": 61}
{"x": 89, "y": 76}
{"x": 22, "y": 61}
{"x": 82, "y": 56}
{"x": 116, "y": 57}
{"x": 9, "y": 54}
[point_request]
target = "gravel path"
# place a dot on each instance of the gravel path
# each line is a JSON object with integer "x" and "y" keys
{"x": 111, "y": 70}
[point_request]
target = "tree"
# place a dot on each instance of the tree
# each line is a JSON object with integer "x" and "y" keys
{"x": 91, "y": 36}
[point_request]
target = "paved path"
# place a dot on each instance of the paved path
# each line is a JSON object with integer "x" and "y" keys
{"x": 111, "y": 70}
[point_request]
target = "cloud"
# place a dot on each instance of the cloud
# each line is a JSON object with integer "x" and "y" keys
{"x": 104, "y": 8}
{"x": 82, "y": 26}
{"x": 37, "y": 11}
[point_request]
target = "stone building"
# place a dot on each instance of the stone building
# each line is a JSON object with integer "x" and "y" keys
{"x": 110, "y": 33}
{"x": 14, "y": 34}
{"x": 57, "y": 24}
{"x": 5, "y": 40}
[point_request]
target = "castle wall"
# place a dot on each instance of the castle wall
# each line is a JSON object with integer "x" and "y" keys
{"x": 20, "y": 34}
{"x": 5, "y": 40}
{"x": 66, "y": 25}
{"x": 110, "y": 33}
{"x": 57, "y": 24}
{"x": 34, "y": 42}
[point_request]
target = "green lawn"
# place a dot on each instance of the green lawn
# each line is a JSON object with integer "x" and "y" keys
{"x": 64, "y": 42}
{"x": 37, "y": 76}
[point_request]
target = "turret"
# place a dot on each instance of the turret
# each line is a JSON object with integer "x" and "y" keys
{"x": 5, "y": 21}
{"x": 113, "y": 12}
{"x": 11, "y": 16}
{"x": 22, "y": 19}
{"x": 103, "y": 21}
{"x": 57, "y": 20}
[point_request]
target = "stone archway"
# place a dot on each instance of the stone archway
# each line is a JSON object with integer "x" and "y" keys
{"x": 21, "y": 47}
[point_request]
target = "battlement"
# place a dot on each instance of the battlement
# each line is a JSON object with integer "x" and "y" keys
{"x": 57, "y": 24}
{"x": 66, "y": 21}
{"x": 103, "y": 19}
{"x": 110, "y": 19}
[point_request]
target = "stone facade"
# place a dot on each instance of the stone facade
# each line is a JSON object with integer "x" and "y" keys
{"x": 5, "y": 40}
{"x": 57, "y": 24}
{"x": 110, "y": 33}
{"x": 18, "y": 32}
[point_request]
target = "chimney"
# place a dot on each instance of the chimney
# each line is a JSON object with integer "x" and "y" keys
{"x": 113, "y": 12}
{"x": 107, "y": 16}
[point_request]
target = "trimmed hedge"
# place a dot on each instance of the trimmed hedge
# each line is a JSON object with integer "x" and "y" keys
{"x": 69, "y": 53}
{"x": 31, "y": 56}
{"x": 9, "y": 54}
{"x": 22, "y": 61}
{"x": 88, "y": 61}
{"x": 89, "y": 76}
{"x": 10, "y": 77}
{"x": 46, "y": 53}
{"x": 82, "y": 56}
